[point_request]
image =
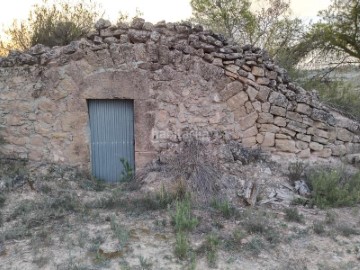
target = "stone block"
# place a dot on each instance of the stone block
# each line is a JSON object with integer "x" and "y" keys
{"x": 239, "y": 113}
{"x": 252, "y": 93}
{"x": 278, "y": 99}
{"x": 304, "y": 108}
{"x": 269, "y": 128}
{"x": 265, "y": 107}
{"x": 322, "y": 116}
{"x": 232, "y": 68}
{"x": 320, "y": 140}
{"x": 297, "y": 126}
{"x": 338, "y": 150}
{"x": 249, "y": 142}
{"x": 251, "y": 132}
{"x": 257, "y": 71}
{"x": 302, "y": 145}
{"x": 324, "y": 153}
{"x": 303, "y": 137}
{"x": 286, "y": 146}
{"x": 280, "y": 121}
{"x": 231, "y": 90}
{"x": 272, "y": 75}
{"x": 265, "y": 118}
{"x": 237, "y": 101}
{"x": 248, "y": 121}
{"x": 287, "y": 132}
{"x": 257, "y": 106}
{"x": 316, "y": 146}
{"x": 308, "y": 121}
{"x": 259, "y": 138}
{"x": 282, "y": 136}
{"x": 249, "y": 107}
{"x": 262, "y": 81}
{"x": 306, "y": 153}
{"x": 344, "y": 135}
{"x": 279, "y": 111}
{"x": 294, "y": 116}
{"x": 263, "y": 93}
{"x": 269, "y": 139}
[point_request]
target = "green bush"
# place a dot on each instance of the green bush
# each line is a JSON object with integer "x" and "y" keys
{"x": 319, "y": 227}
{"x": 127, "y": 173}
{"x": 183, "y": 219}
{"x": 334, "y": 188}
{"x": 181, "y": 245}
{"x": 225, "y": 208}
{"x": 292, "y": 214}
{"x": 211, "y": 248}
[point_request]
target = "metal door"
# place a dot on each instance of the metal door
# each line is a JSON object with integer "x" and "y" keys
{"x": 112, "y": 137}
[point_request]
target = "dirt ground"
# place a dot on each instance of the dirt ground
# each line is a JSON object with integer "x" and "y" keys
{"x": 87, "y": 230}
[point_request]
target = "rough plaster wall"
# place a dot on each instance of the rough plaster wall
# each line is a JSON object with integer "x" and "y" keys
{"x": 184, "y": 82}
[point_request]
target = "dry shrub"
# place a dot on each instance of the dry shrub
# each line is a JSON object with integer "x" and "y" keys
{"x": 192, "y": 166}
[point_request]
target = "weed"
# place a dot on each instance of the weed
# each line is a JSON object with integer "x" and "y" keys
{"x": 23, "y": 208}
{"x": 347, "y": 230}
{"x": 330, "y": 217}
{"x": 300, "y": 201}
{"x": 224, "y": 207}
{"x": 149, "y": 202}
{"x": 120, "y": 232}
{"x": 128, "y": 172}
{"x": 319, "y": 228}
{"x": 145, "y": 264}
{"x": 255, "y": 245}
{"x": 183, "y": 219}
{"x": 294, "y": 264}
{"x": 272, "y": 236}
{"x": 255, "y": 223}
{"x": 181, "y": 245}
{"x": 234, "y": 241}
{"x": 292, "y": 214}
{"x": 92, "y": 183}
{"x": 334, "y": 188}
{"x": 96, "y": 242}
{"x": 41, "y": 261}
{"x": 211, "y": 248}
{"x": 82, "y": 238}
{"x": 16, "y": 232}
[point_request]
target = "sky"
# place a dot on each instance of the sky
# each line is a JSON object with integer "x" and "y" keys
{"x": 153, "y": 10}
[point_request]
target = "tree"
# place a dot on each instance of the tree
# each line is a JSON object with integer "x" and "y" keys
{"x": 268, "y": 26}
{"x": 336, "y": 38}
{"x": 51, "y": 25}
{"x": 333, "y": 50}
{"x": 229, "y": 17}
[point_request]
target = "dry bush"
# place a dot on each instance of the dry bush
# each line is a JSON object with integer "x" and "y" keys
{"x": 192, "y": 166}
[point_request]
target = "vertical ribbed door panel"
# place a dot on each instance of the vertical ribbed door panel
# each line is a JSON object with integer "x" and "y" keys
{"x": 112, "y": 137}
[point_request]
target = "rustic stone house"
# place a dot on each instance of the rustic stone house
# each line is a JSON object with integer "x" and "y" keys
{"x": 135, "y": 91}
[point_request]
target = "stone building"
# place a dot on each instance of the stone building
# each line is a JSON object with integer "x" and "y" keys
{"x": 135, "y": 91}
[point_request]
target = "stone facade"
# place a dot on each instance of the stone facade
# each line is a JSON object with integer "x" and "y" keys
{"x": 185, "y": 81}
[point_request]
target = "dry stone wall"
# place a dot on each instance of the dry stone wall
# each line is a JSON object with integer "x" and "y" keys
{"x": 185, "y": 81}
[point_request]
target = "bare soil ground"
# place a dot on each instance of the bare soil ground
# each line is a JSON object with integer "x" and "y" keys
{"x": 68, "y": 224}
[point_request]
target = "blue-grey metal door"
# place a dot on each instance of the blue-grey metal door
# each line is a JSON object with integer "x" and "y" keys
{"x": 112, "y": 137}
